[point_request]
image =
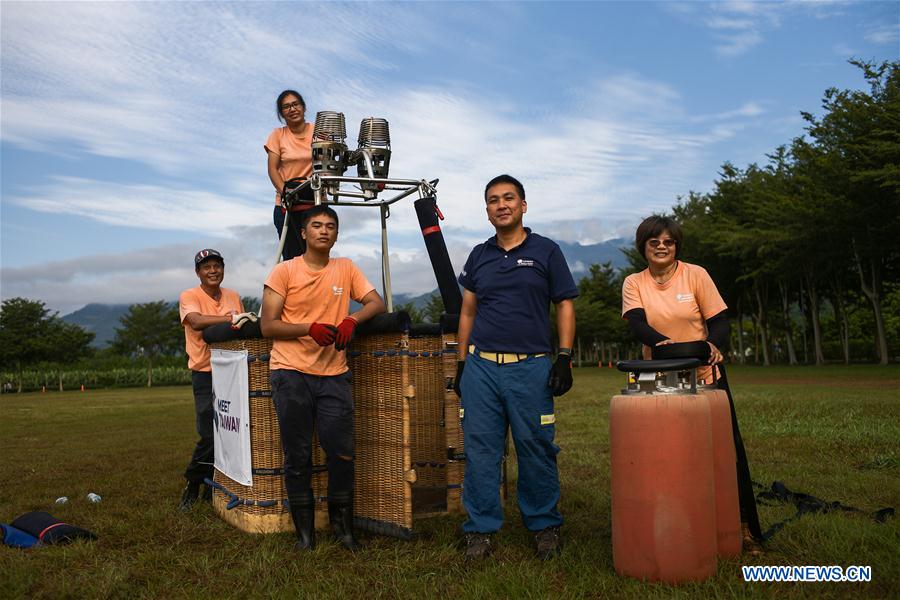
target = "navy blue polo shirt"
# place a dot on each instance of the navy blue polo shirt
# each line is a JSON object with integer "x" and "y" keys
{"x": 514, "y": 289}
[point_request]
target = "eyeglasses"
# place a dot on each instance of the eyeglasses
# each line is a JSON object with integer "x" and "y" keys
{"x": 668, "y": 243}
{"x": 287, "y": 107}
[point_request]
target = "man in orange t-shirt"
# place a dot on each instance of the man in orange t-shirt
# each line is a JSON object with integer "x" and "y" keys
{"x": 306, "y": 311}
{"x": 199, "y": 307}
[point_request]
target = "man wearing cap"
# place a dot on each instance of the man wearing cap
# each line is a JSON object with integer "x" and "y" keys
{"x": 199, "y": 307}
{"x": 505, "y": 374}
{"x": 306, "y": 311}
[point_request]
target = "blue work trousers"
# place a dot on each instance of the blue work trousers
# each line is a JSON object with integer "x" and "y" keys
{"x": 494, "y": 396}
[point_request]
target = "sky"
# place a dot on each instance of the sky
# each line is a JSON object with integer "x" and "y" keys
{"x": 131, "y": 134}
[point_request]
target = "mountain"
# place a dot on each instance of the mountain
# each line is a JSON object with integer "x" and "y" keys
{"x": 102, "y": 319}
{"x": 608, "y": 251}
{"x": 579, "y": 257}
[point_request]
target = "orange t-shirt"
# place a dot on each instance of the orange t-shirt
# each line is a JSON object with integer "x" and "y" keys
{"x": 678, "y": 308}
{"x": 294, "y": 151}
{"x": 195, "y": 300}
{"x": 314, "y": 297}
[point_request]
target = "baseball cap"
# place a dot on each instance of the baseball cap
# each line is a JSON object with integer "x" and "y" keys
{"x": 206, "y": 254}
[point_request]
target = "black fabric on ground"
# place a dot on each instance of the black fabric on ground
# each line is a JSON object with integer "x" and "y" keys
{"x": 778, "y": 493}
{"x": 54, "y": 530}
{"x": 637, "y": 322}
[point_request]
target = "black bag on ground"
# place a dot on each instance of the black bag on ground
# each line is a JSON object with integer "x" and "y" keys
{"x": 50, "y": 530}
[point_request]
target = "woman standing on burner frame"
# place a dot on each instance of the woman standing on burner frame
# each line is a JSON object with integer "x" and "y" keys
{"x": 289, "y": 150}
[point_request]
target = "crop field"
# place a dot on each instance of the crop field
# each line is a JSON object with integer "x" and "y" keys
{"x": 831, "y": 432}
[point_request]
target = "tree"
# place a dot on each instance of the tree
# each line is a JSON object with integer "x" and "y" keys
{"x": 598, "y": 309}
{"x": 251, "y": 303}
{"x": 414, "y": 315}
{"x": 859, "y": 143}
{"x": 433, "y": 309}
{"x": 150, "y": 330}
{"x": 30, "y": 335}
{"x": 23, "y": 325}
{"x": 67, "y": 344}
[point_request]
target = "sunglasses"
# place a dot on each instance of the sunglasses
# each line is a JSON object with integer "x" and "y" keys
{"x": 287, "y": 107}
{"x": 668, "y": 243}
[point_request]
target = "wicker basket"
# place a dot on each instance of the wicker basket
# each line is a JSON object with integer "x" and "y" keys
{"x": 408, "y": 439}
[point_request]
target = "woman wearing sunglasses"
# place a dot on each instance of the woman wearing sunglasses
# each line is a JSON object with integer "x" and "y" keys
{"x": 671, "y": 300}
{"x": 674, "y": 301}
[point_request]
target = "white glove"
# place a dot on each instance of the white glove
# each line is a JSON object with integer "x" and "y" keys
{"x": 238, "y": 320}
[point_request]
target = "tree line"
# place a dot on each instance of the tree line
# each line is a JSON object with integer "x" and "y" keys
{"x": 150, "y": 334}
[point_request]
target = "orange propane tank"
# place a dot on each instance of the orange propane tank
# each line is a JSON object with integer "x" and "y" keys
{"x": 663, "y": 484}
{"x": 728, "y": 510}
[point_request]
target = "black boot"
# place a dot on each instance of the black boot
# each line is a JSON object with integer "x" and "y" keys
{"x": 303, "y": 512}
{"x": 340, "y": 514}
{"x": 189, "y": 496}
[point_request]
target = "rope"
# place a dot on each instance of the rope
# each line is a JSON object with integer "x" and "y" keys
{"x": 778, "y": 493}
{"x": 235, "y": 500}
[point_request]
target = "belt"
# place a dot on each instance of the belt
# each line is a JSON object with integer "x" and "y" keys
{"x": 502, "y": 358}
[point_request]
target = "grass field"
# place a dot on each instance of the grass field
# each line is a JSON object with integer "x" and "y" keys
{"x": 833, "y": 433}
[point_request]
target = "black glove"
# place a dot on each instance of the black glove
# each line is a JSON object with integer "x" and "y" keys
{"x": 460, "y": 365}
{"x": 561, "y": 375}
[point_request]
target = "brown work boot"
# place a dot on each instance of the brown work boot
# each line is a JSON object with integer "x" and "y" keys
{"x": 478, "y": 546}
{"x": 750, "y": 545}
{"x": 548, "y": 543}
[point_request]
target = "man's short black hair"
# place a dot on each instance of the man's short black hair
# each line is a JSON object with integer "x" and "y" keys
{"x": 318, "y": 209}
{"x": 505, "y": 179}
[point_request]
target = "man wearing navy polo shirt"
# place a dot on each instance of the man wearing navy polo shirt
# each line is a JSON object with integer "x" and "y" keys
{"x": 505, "y": 374}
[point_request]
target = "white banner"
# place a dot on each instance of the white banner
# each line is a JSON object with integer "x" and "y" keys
{"x": 231, "y": 414}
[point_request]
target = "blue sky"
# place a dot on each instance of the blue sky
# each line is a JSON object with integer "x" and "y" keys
{"x": 132, "y": 133}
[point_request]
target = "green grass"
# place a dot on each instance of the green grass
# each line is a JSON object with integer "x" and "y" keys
{"x": 829, "y": 432}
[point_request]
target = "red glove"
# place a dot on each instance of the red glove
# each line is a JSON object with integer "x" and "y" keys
{"x": 323, "y": 334}
{"x": 345, "y": 333}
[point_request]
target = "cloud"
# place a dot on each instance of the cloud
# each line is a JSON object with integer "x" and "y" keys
{"x": 885, "y": 34}
{"x": 845, "y": 50}
{"x": 739, "y": 26}
{"x": 139, "y": 206}
{"x": 192, "y": 108}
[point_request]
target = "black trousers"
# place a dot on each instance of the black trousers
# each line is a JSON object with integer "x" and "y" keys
{"x": 201, "y": 465}
{"x": 294, "y": 244}
{"x": 306, "y": 402}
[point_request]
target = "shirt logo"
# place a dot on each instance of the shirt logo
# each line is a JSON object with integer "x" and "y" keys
{"x": 337, "y": 291}
{"x": 684, "y": 297}
{"x": 524, "y": 262}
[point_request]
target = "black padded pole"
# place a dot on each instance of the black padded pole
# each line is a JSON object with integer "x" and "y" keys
{"x": 426, "y": 210}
